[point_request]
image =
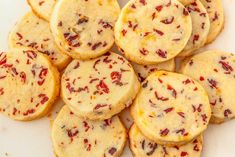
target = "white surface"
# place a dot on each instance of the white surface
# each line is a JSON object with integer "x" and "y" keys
{"x": 32, "y": 139}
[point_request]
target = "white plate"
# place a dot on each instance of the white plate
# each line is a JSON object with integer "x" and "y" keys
{"x": 32, "y": 139}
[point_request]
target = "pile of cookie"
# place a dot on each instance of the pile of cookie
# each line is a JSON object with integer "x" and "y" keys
{"x": 63, "y": 48}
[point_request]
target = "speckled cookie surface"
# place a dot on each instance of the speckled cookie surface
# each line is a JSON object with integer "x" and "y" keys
{"x": 144, "y": 70}
{"x": 216, "y": 14}
{"x": 215, "y": 71}
{"x": 29, "y": 84}
{"x": 42, "y": 8}
{"x": 171, "y": 108}
{"x": 35, "y": 33}
{"x": 143, "y": 147}
{"x": 201, "y": 27}
{"x": 73, "y": 136}
{"x": 158, "y": 30}
{"x": 99, "y": 88}
{"x": 84, "y": 29}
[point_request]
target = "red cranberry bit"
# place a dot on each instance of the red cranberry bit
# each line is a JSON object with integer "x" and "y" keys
{"x": 95, "y": 64}
{"x": 216, "y": 17}
{"x": 124, "y": 32}
{"x": 1, "y": 91}
{"x": 102, "y": 86}
{"x": 174, "y": 93}
{"x": 187, "y": 81}
{"x": 201, "y": 78}
{"x": 213, "y": 83}
{"x": 226, "y": 66}
{"x": 196, "y": 148}
{"x": 144, "y": 52}
{"x": 204, "y": 118}
{"x": 143, "y": 2}
{"x": 108, "y": 122}
{"x": 112, "y": 151}
{"x": 195, "y": 38}
{"x": 185, "y": 12}
{"x": 98, "y": 106}
{"x": 168, "y": 21}
{"x": 169, "y": 110}
{"x": 164, "y": 132}
{"x": 31, "y": 54}
{"x": 160, "y": 98}
{"x": 19, "y": 36}
{"x": 77, "y": 65}
{"x": 96, "y": 45}
{"x": 153, "y": 16}
{"x": 14, "y": 111}
{"x": 44, "y": 98}
{"x": 183, "y": 154}
{"x": 29, "y": 111}
{"x": 161, "y": 53}
{"x": 72, "y": 133}
{"x": 158, "y": 32}
{"x": 43, "y": 73}
{"x": 116, "y": 76}
{"x": 23, "y": 77}
{"x": 181, "y": 114}
{"x": 227, "y": 112}
{"x": 159, "y": 8}
{"x": 86, "y": 126}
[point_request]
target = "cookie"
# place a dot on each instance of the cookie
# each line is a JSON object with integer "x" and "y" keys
{"x": 84, "y": 29}
{"x": 73, "y": 136}
{"x": 171, "y": 109}
{"x": 99, "y": 88}
{"x": 42, "y": 8}
{"x": 214, "y": 70}
{"x": 143, "y": 147}
{"x": 144, "y": 70}
{"x": 29, "y": 84}
{"x": 158, "y": 30}
{"x": 216, "y": 14}
{"x": 34, "y": 32}
{"x": 201, "y": 27}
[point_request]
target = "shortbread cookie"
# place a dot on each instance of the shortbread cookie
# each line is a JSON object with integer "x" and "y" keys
{"x": 150, "y": 31}
{"x": 34, "y": 32}
{"x": 143, "y": 147}
{"x": 216, "y": 14}
{"x": 29, "y": 84}
{"x": 215, "y": 71}
{"x": 144, "y": 70}
{"x": 171, "y": 108}
{"x": 42, "y": 8}
{"x": 99, "y": 88}
{"x": 84, "y": 29}
{"x": 201, "y": 27}
{"x": 73, "y": 136}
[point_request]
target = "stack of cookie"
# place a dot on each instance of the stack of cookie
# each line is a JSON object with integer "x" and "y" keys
{"x": 170, "y": 110}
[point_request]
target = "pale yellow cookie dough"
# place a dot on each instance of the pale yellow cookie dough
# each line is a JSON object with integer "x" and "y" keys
{"x": 29, "y": 84}
{"x": 42, "y": 8}
{"x": 143, "y": 147}
{"x": 171, "y": 109}
{"x": 84, "y": 29}
{"x": 99, "y": 88}
{"x": 35, "y": 33}
{"x": 214, "y": 70}
{"x": 150, "y": 31}
{"x": 76, "y": 137}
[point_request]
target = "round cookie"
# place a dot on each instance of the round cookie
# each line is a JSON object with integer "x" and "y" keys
{"x": 29, "y": 84}
{"x": 99, "y": 88}
{"x": 144, "y": 70}
{"x": 35, "y": 33}
{"x": 143, "y": 147}
{"x": 84, "y": 29}
{"x": 214, "y": 70}
{"x": 158, "y": 30}
{"x": 201, "y": 27}
{"x": 171, "y": 109}
{"x": 216, "y": 14}
{"x": 42, "y": 8}
{"x": 73, "y": 136}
